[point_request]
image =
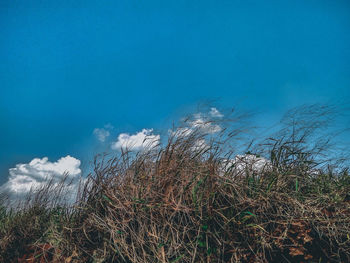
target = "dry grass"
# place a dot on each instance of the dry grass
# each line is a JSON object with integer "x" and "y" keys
{"x": 178, "y": 204}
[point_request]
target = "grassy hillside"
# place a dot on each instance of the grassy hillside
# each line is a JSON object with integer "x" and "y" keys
{"x": 189, "y": 202}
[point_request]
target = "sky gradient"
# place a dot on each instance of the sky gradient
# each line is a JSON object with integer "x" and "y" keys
{"x": 68, "y": 68}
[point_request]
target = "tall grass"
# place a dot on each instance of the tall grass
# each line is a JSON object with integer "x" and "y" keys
{"x": 184, "y": 203}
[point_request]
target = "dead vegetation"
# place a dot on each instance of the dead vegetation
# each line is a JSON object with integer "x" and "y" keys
{"x": 178, "y": 203}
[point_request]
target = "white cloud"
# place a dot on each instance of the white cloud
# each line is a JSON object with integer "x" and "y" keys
{"x": 33, "y": 175}
{"x": 101, "y": 134}
{"x": 205, "y": 125}
{"x": 199, "y": 123}
{"x": 247, "y": 163}
{"x": 181, "y": 132}
{"x": 200, "y": 145}
{"x": 144, "y": 139}
{"x": 215, "y": 113}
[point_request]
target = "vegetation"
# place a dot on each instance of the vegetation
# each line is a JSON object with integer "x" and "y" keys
{"x": 182, "y": 202}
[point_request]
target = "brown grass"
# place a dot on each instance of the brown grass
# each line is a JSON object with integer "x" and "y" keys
{"x": 178, "y": 204}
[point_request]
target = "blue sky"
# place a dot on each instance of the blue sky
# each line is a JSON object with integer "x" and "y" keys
{"x": 69, "y": 67}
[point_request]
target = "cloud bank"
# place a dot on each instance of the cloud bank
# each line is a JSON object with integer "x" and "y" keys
{"x": 204, "y": 125}
{"x": 144, "y": 139}
{"x": 200, "y": 122}
{"x": 35, "y": 174}
{"x": 246, "y": 163}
